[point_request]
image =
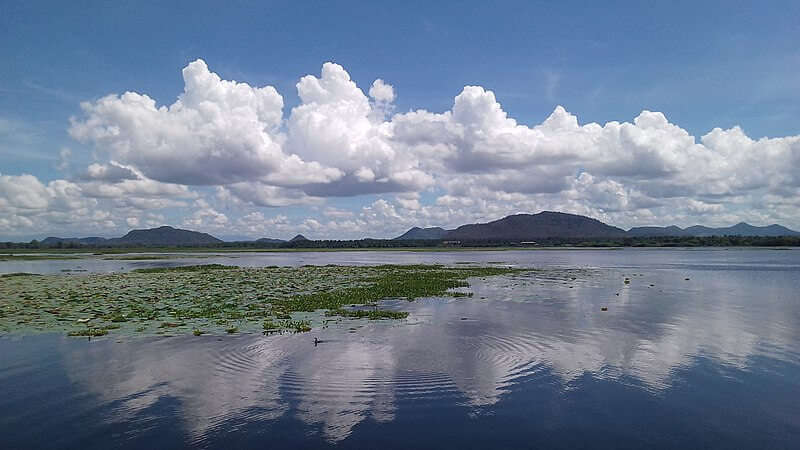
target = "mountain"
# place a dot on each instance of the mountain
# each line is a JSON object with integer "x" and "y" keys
{"x": 548, "y": 224}
{"x": 740, "y": 229}
{"x": 656, "y": 231}
{"x": 418, "y": 233}
{"x": 514, "y": 228}
{"x": 94, "y": 240}
{"x": 528, "y": 227}
{"x": 743, "y": 229}
{"x": 163, "y": 236}
{"x": 166, "y": 236}
{"x": 270, "y": 241}
{"x": 54, "y": 241}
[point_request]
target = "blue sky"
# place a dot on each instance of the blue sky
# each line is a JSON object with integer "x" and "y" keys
{"x": 704, "y": 65}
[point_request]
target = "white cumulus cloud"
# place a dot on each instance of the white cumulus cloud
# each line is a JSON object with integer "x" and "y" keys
{"x": 470, "y": 162}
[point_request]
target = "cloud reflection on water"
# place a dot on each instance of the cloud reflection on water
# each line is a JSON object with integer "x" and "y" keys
{"x": 472, "y": 351}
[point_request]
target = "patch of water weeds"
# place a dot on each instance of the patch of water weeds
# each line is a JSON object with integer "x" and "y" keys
{"x": 151, "y": 257}
{"x": 371, "y": 314}
{"x": 37, "y": 257}
{"x": 218, "y": 299}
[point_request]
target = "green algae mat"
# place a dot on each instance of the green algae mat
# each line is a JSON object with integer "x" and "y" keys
{"x": 218, "y": 299}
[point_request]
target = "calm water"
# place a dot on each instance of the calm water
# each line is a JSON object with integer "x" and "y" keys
{"x": 713, "y": 361}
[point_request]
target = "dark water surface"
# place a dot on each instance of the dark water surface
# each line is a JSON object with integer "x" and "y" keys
{"x": 527, "y": 362}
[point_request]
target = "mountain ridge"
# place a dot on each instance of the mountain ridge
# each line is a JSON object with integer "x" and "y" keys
{"x": 160, "y": 236}
{"x": 166, "y": 235}
{"x": 515, "y": 227}
{"x": 740, "y": 229}
{"x": 529, "y": 227}
{"x": 417, "y": 233}
{"x": 93, "y": 240}
{"x": 270, "y": 241}
{"x": 551, "y": 224}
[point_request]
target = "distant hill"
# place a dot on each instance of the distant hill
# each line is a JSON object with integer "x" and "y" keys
{"x": 544, "y": 226}
{"x": 161, "y": 236}
{"x": 93, "y": 240}
{"x": 55, "y": 241}
{"x": 740, "y": 229}
{"x": 743, "y": 229}
{"x": 529, "y": 227}
{"x": 656, "y": 231}
{"x": 548, "y": 224}
{"x": 418, "y": 233}
{"x": 165, "y": 236}
{"x": 270, "y": 241}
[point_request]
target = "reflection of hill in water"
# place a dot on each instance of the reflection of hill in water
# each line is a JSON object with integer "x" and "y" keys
{"x": 468, "y": 351}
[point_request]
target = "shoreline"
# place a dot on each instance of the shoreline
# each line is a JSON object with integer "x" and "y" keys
{"x": 37, "y": 254}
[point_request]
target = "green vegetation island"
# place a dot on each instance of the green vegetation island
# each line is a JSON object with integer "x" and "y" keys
{"x": 219, "y": 299}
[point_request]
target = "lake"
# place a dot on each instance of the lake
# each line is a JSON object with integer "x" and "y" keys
{"x": 700, "y": 349}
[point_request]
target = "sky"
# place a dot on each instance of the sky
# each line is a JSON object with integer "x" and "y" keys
{"x": 362, "y": 119}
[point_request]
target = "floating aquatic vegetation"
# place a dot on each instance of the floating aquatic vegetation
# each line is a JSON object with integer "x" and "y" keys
{"x": 35, "y": 257}
{"x": 299, "y": 326}
{"x": 216, "y": 298}
{"x": 371, "y": 314}
{"x": 89, "y": 332}
{"x": 197, "y": 268}
{"x": 152, "y": 257}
